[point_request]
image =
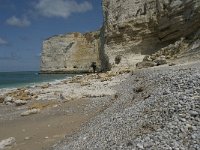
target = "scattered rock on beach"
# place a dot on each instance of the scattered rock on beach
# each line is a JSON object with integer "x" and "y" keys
{"x": 22, "y": 94}
{"x": 7, "y": 142}
{"x": 172, "y": 64}
{"x": 145, "y": 64}
{"x": 20, "y": 102}
{"x": 85, "y": 83}
{"x": 30, "y": 112}
{"x": 45, "y": 86}
{"x": 8, "y": 99}
{"x": 147, "y": 58}
{"x": 151, "y": 62}
{"x": 1, "y": 99}
{"x": 27, "y": 138}
{"x": 160, "y": 62}
{"x": 140, "y": 146}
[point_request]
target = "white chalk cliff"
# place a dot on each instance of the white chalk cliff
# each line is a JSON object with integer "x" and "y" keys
{"x": 71, "y": 53}
{"x": 131, "y": 29}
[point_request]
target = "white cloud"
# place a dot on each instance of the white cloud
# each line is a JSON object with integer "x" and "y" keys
{"x": 61, "y": 8}
{"x": 18, "y": 22}
{"x": 3, "y": 42}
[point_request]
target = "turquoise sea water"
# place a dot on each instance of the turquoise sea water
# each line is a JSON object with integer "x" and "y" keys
{"x": 20, "y": 79}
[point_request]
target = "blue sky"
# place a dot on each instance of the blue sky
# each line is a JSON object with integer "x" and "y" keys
{"x": 24, "y": 24}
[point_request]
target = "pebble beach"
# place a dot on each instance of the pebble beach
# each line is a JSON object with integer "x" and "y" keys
{"x": 154, "y": 108}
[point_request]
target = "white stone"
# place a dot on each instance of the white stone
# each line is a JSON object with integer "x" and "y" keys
{"x": 140, "y": 145}
{"x": 193, "y": 113}
{"x": 188, "y": 126}
{"x": 8, "y": 99}
{"x": 29, "y": 112}
{"x": 27, "y": 138}
{"x": 7, "y": 142}
{"x": 20, "y": 102}
{"x": 182, "y": 119}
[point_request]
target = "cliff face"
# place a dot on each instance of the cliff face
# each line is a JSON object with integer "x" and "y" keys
{"x": 133, "y": 28}
{"x": 72, "y": 53}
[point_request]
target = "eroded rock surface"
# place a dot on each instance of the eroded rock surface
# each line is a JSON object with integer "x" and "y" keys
{"x": 133, "y": 28}
{"x": 70, "y": 52}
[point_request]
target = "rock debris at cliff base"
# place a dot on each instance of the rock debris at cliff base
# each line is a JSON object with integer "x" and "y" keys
{"x": 156, "y": 108}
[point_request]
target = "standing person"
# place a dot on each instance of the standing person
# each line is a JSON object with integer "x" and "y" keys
{"x": 94, "y": 66}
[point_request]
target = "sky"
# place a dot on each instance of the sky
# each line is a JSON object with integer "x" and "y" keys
{"x": 24, "y": 24}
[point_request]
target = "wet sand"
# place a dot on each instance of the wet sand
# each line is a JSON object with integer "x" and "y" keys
{"x": 43, "y": 130}
{"x": 65, "y": 107}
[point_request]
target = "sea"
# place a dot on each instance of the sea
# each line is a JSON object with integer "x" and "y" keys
{"x": 27, "y": 78}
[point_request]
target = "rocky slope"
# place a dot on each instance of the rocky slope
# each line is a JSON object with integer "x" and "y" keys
{"x": 133, "y": 28}
{"x": 156, "y": 108}
{"x": 72, "y": 53}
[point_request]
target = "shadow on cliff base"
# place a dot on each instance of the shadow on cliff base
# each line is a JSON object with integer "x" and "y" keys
{"x": 104, "y": 59}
